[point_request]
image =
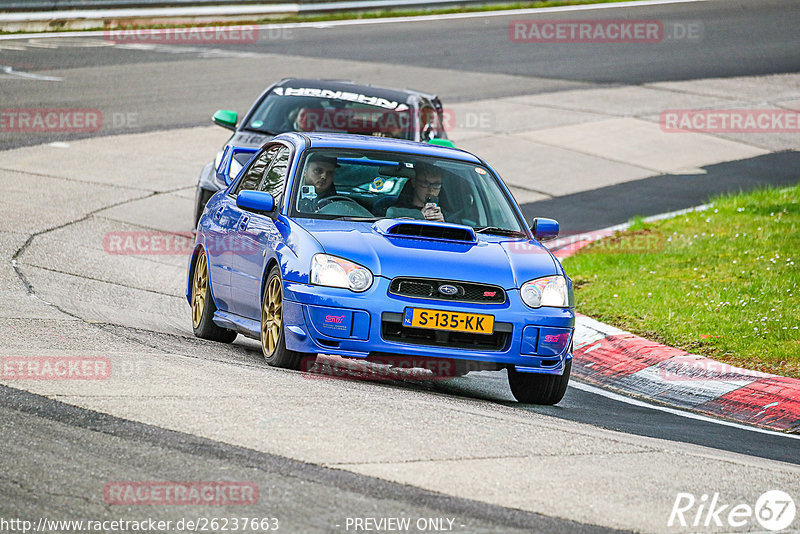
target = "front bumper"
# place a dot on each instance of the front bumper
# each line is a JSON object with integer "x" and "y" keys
{"x": 208, "y": 179}
{"x": 357, "y": 325}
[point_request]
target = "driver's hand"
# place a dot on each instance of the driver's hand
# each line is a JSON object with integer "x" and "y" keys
{"x": 432, "y": 212}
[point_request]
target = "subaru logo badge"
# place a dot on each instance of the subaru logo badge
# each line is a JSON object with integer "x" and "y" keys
{"x": 448, "y": 289}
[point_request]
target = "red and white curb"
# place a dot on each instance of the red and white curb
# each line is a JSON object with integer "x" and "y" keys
{"x": 624, "y": 362}
{"x": 619, "y": 360}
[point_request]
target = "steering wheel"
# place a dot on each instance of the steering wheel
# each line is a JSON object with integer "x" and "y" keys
{"x": 334, "y": 198}
{"x": 456, "y": 214}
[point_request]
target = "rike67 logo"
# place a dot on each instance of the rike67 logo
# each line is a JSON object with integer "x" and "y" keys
{"x": 774, "y": 511}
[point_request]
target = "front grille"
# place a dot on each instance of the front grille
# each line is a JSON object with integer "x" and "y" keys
{"x": 392, "y": 329}
{"x": 428, "y": 288}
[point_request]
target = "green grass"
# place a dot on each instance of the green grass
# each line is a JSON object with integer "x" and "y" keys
{"x": 724, "y": 282}
{"x": 349, "y": 15}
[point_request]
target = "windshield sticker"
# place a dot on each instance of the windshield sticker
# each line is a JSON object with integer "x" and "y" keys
{"x": 340, "y": 95}
{"x": 479, "y": 170}
{"x": 257, "y": 124}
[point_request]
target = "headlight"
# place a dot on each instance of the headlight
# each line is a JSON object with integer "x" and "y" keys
{"x": 331, "y": 271}
{"x": 546, "y": 291}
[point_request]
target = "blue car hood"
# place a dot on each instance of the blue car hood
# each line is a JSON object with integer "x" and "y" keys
{"x": 504, "y": 261}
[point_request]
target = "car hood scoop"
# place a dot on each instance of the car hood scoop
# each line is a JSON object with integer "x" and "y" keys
{"x": 425, "y": 230}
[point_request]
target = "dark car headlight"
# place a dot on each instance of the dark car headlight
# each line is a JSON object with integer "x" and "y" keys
{"x": 331, "y": 271}
{"x": 546, "y": 291}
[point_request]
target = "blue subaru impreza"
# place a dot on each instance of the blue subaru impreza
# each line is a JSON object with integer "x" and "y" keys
{"x": 382, "y": 249}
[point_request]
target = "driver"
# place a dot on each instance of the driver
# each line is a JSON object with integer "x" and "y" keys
{"x": 320, "y": 172}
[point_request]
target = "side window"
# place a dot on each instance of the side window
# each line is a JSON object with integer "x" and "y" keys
{"x": 255, "y": 173}
{"x": 273, "y": 181}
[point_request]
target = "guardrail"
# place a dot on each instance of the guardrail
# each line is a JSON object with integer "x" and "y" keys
{"x": 48, "y": 15}
{"x": 54, "y": 5}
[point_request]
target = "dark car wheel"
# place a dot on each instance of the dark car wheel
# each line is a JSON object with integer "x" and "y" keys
{"x": 273, "y": 339}
{"x": 535, "y": 388}
{"x": 203, "y": 307}
{"x": 201, "y": 198}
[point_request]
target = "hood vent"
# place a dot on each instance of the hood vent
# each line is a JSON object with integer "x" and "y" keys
{"x": 426, "y": 230}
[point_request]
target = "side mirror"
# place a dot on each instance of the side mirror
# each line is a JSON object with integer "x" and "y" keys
{"x": 225, "y": 118}
{"x": 255, "y": 201}
{"x": 544, "y": 229}
{"x": 442, "y": 142}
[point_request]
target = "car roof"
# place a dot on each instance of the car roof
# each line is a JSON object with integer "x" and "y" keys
{"x": 400, "y": 95}
{"x": 388, "y": 144}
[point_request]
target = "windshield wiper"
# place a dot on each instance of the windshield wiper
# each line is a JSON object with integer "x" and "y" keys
{"x": 499, "y": 231}
{"x": 259, "y": 130}
{"x": 360, "y": 219}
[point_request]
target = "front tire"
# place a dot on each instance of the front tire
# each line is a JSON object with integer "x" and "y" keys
{"x": 203, "y": 307}
{"x": 273, "y": 337}
{"x": 201, "y": 198}
{"x": 536, "y": 388}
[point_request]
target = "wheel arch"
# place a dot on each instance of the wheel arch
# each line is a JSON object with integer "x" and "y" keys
{"x": 199, "y": 249}
{"x": 273, "y": 261}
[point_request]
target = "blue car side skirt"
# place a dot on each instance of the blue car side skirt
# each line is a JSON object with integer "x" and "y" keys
{"x": 248, "y": 327}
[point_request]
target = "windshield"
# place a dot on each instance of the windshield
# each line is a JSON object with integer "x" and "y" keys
{"x": 317, "y": 110}
{"x": 345, "y": 183}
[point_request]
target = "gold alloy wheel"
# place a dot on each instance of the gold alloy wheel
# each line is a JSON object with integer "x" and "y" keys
{"x": 271, "y": 316}
{"x": 199, "y": 289}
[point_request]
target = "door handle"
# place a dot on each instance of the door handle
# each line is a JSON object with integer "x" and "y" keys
{"x": 218, "y": 213}
{"x": 243, "y": 223}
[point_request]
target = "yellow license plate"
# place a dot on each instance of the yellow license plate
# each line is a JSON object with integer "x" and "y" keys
{"x": 474, "y": 323}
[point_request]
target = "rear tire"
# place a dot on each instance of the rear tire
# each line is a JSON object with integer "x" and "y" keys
{"x": 203, "y": 307}
{"x": 536, "y": 388}
{"x": 273, "y": 337}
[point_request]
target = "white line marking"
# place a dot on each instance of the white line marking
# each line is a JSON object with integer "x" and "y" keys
{"x": 389, "y": 20}
{"x": 590, "y": 349}
{"x": 680, "y": 413}
{"x": 28, "y": 75}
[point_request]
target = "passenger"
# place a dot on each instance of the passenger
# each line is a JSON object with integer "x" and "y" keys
{"x": 419, "y": 198}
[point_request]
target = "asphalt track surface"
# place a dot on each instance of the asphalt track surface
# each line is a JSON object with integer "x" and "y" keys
{"x": 177, "y": 90}
{"x": 72, "y": 440}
